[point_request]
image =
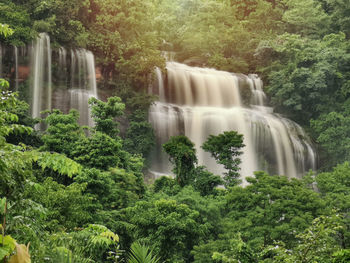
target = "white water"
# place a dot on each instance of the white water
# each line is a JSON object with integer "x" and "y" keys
{"x": 41, "y": 84}
{"x": 73, "y": 84}
{"x": 62, "y": 68}
{"x": 198, "y": 102}
{"x": 83, "y": 83}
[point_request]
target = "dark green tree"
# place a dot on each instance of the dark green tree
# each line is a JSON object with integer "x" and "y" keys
{"x": 334, "y": 187}
{"x": 114, "y": 189}
{"x": 306, "y": 77}
{"x": 206, "y": 182}
{"x": 316, "y": 244}
{"x": 226, "y": 149}
{"x": 168, "y": 227}
{"x": 18, "y": 18}
{"x": 122, "y": 37}
{"x": 166, "y": 185}
{"x": 139, "y": 138}
{"x": 104, "y": 115}
{"x": 269, "y": 207}
{"x": 182, "y": 154}
{"x": 62, "y": 133}
{"x": 332, "y": 133}
{"x": 67, "y": 206}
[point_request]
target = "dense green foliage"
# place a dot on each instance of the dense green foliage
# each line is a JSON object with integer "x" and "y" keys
{"x": 182, "y": 154}
{"x": 70, "y": 190}
{"x": 226, "y": 149}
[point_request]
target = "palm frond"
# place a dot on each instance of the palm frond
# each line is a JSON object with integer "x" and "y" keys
{"x": 141, "y": 254}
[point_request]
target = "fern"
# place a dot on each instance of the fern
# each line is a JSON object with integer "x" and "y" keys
{"x": 141, "y": 254}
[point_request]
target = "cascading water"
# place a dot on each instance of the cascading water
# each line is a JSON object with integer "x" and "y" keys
{"x": 62, "y": 78}
{"x": 198, "y": 102}
{"x": 71, "y": 86}
{"x": 83, "y": 83}
{"x": 41, "y": 75}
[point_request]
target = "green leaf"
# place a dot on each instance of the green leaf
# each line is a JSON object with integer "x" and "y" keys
{"x": 141, "y": 254}
{"x": 4, "y": 251}
{"x": 58, "y": 163}
{"x": 8, "y": 246}
{"x": 4, "y": 84}
{"x": 5, "y": 30}
{"x": 9, "y": 241}
{"x": 2, "y": 205}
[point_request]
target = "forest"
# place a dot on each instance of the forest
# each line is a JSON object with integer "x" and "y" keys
{"x": 77, "y": 194}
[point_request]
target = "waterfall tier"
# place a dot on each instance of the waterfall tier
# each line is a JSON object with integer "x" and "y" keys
{"x": 58, "y": 79}
{"x": 198, "y": 102}
{"x": 41, "y": 75}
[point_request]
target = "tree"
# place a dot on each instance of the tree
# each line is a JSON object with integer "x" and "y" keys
{"x": 338, "y": 11}
{"x": 166, "y": 185}
{"x": 306, "y": 17}
{"x": 62, "y": 133}
{"x": 168, "y": 227}
{"x": 226, "y": 149}
{"x": 122, "y": 37}
{"x": 306, "y": 77}
{"x": 94, "y": 243}
{"x": 182, "y": 154}
{"x": 225, "y": 249}
{"x": 332, "y": 133}
{"x": 334, "y": 187}
{"x": 5, "y": 30}
{"x": 15, "y": 24}
{"x": 206, "y": 182}
{"x": 67, "y": 206}
{"x": 317, "y": 244}
{"x": 112, "y": 190}
{"x": 99, "y": 151}
{"x": 220, "y": 34}
{"x": 271, "y": 208}
{"x": 139, "y": 138}
{"x": 104, "y": 114}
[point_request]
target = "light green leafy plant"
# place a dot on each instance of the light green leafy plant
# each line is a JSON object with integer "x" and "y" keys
{"x": 141, "y": 254}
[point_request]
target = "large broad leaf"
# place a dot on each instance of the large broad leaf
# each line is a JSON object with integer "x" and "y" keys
{"x": 8, "y": 241}
{"x": 22, "y": 254}
{"x": 4, "y": 251}
{"x": 7, "y": 245}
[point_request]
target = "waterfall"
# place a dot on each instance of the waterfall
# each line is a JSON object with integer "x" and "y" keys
{"x": 62, "y": 68}
{"x": 199, "y": 102}
{"x": 65, "y": 87}
{"x": 83, "y": 83}
{"x": 41, "y": 75}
